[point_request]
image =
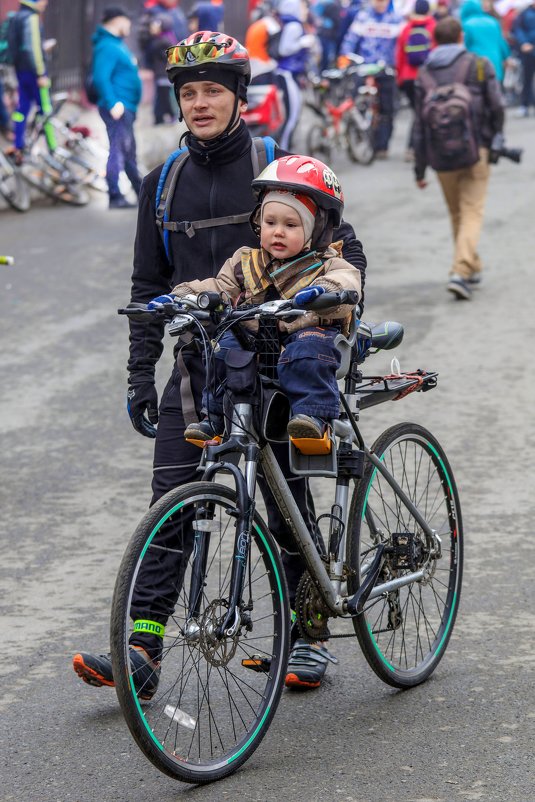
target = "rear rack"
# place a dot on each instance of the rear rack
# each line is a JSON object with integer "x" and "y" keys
{"x": 376, "y": 389}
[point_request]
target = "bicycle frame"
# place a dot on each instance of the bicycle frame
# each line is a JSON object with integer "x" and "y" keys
{"x": 329, "y": 579}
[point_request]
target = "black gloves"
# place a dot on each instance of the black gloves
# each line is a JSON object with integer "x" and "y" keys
{"x": 143, "y": 398}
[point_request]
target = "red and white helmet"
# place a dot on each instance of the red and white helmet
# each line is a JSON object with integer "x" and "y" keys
{"x": 307, "y": 176}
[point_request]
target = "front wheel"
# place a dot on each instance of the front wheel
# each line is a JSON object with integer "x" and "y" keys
{"x": 404, "y": 631}
{"x": 217, "y": 694}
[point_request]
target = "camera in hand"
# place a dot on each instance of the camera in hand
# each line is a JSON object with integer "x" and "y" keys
{"x": 498, "y": 149}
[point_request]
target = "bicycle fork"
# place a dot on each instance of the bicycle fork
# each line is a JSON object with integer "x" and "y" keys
{"x": 244, "y": 514}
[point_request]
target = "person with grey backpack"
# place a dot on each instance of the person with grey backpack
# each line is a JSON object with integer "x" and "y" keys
{"x": 459, "y": 109}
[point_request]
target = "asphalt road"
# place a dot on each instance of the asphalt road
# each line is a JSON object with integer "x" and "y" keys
{"x": 76, "y": 479}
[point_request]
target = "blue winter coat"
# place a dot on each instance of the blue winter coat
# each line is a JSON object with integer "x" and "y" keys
{"x": 483, "y": 35}
{"x": 373, "y": 36}
{"x": 115, "y": 71}
{"x": 524, "y": 27}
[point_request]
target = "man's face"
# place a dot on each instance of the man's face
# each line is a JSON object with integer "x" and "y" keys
{"x": 123, "y": 27}
{"x": 207, "y": 108}
{"x": 41, "y": 6}
{"x": 380, "y": 6}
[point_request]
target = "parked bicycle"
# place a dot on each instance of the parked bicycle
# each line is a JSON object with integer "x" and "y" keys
{"x": 391, "y": 571}
{"x": 13, "y": 188}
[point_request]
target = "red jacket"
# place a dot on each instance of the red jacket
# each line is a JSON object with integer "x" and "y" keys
{"x": 404, "y": 70}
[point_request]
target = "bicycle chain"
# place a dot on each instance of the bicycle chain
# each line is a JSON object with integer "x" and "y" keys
{"x": 308, "y": 606}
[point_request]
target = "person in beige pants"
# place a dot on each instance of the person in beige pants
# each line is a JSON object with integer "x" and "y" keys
{"x": 465, "y": 188}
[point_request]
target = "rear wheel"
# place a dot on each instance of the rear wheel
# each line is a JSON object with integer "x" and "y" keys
{"x": 405, "y": 631}
{"x": 217, "y": 695}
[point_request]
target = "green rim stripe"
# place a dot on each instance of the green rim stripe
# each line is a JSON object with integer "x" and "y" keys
{"x": 447, "y": 628}
{"x": 251, "y": 739}
{"x": 443, "y": 467}
{"x": 379, "y": 652}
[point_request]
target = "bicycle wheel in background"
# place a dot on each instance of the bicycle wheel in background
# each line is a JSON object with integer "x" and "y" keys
{"x": 53, "y": 180}
{"x": 359, "y": 142}
{"x": 405, "y": 632}
{"x": 13, "y": 188}
{"x": 317, "y": 143}
{"x": 216, "y": 697}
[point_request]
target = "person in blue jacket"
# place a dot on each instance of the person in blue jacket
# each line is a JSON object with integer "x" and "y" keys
{"x": 118, "y": 86}
{"x": 373, "y": 35}
{"x": 483, "y": 35}
{"x": 524, "y": 33}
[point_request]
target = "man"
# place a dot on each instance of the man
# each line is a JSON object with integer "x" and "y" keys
{"x": 118, "y": 86}
{"x": 27, "y": 51}
{"x": 207, "y": 15}
{"x": 464, "y": 188}
{"x": 210, "y": 73}
{"x": 171, "y": 8}
{"x": 524, "y": 34}
{"x": 372, "y": 35}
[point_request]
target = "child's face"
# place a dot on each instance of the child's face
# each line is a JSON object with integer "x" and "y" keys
{"x": 281, "y": 230}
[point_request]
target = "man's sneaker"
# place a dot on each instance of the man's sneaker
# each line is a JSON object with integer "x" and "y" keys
{"x": 474, "y": 281}
{"x": 121, "y": 203}
{"x": 306, "y": 427}
{"x": 459, "y": 287}
{"x": 203, "y": 430}
{"x": 96, "y": 669}
{"x": 307, "y": 664}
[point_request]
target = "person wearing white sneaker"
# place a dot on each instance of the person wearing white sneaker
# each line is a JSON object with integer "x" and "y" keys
{"x": 461, "y": 161}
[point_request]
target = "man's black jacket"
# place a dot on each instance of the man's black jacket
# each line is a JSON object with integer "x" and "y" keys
{"x": 213, "y": 182}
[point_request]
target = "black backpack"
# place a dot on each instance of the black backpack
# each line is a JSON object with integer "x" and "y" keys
{"x": 89, "y": 86}
{"x": 448, "y": 120}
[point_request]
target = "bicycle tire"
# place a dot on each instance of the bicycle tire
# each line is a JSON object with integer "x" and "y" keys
{"x": 317, "y": 142}
{"x": 13, "y": 188}
{"x": 359, "y": 143}
{"x": 41, "y": 176}
{"x": 228, "y": 707}
{"x": 404, "y": 634}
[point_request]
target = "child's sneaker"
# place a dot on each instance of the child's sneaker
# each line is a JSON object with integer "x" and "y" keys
{"x": 203, "y": 430}
{"x": 306, "y": 427}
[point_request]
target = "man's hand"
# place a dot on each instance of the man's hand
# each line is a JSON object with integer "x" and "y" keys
{"x": 304, "y": 297}
{"x": 160, "y": 301}
{"x": 43, "y": 82}
{"x": 421, "y": 183}
{"x": 526, "y": 47}
{"x": 141, "y": 399}
{"x": 117, "y": 110}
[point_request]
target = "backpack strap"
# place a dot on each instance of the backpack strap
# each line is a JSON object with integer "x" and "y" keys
{"x": 166, "y": 189}
{"x": 262, "y": 153}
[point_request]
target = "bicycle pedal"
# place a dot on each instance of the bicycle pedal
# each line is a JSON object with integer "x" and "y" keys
{"x": 255, "y": 663}
{"x": 312, "y": 445}
{"x": 215, "y": 441}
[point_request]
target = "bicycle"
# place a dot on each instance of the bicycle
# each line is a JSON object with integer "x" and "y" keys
{"x": 345, "y": 116}
{"x": 392, "y": 566}
{"x": 12, "y": 186}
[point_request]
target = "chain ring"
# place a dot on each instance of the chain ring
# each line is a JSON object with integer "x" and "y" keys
{"x": 312, "y": 614}
{"x": 216, "y": 652}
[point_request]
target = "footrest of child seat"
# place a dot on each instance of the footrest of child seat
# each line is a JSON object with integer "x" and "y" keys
{"x": 312, "y": 456}
{"x": 202, "y": 443}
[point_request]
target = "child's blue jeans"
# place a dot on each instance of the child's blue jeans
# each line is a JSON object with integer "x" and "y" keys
{"x": 306, "y": 368}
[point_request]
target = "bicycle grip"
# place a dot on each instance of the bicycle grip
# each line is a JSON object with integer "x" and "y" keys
{"x": 330, "y": 299}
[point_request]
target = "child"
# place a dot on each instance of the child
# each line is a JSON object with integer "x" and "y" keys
{"x": 300, "y": 203}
